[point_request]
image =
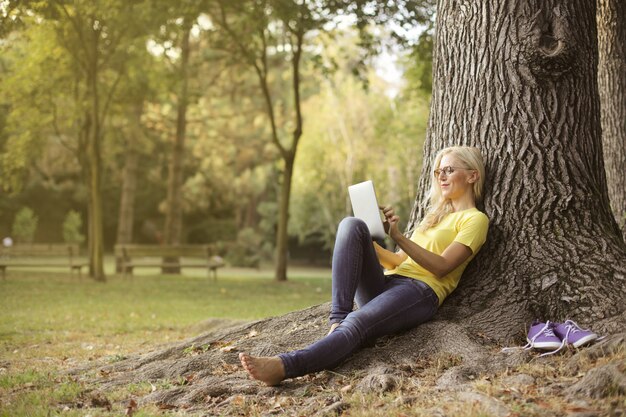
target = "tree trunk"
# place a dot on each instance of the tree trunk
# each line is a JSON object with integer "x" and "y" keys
{"x": 174, "y": 215}
{"x": 289, "y": 157}
{"x": 96, "y": 235}
{"x": 282, "y": 236}
{"x": 518, "y": 80}
{"x": 129, "y": 187}
{"x": 611, "y": 18}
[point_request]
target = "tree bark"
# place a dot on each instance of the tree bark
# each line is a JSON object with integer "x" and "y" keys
{"x": 282, "y": 254}
{"x": 129, "y": 186}
{"x": 289, "y": 157}
{"x": 518, "y": 80}
{"x": 174, "y": 215}
{"x": 611, "y": 18}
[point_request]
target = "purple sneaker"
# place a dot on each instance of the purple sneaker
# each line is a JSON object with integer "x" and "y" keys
{"x": 571, "y": 333}
{"x": 541, "y": 336}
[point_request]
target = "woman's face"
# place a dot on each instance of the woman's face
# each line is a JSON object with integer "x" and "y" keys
{"x": 453, "y": 179}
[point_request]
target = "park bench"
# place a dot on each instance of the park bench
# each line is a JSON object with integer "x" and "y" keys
{"x": 133, "y": 256}
{"x": 41, "y": 255}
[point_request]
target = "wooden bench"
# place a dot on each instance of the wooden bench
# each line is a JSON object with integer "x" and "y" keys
{"x": 184, "y": 256}
{"x": 41, "y": 255}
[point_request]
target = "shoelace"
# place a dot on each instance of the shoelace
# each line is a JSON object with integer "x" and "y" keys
{"x": 545, "y": 330}
{"x": 572, "y": 327}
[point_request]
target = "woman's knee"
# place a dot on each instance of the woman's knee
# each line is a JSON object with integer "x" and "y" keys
{"x": 351, "y": 224}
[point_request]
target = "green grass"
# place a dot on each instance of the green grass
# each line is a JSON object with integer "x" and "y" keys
{"x": 44, "y": 307}
{"x": 51, "y": 321}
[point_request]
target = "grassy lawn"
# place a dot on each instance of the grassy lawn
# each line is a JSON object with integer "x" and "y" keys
{"x": 50, "y": 321}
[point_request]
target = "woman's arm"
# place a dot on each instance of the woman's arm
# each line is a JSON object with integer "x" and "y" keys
{"x": 440, "y": 265}
{"x": 388, "y": 259}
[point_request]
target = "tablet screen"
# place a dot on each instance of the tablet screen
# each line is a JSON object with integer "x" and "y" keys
{"x": 365, "y": 207}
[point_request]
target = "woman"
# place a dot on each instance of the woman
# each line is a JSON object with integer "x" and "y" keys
{"x": 417, "y": 279}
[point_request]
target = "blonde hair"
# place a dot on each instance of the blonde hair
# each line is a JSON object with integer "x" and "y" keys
{"x": 469, "y": 157}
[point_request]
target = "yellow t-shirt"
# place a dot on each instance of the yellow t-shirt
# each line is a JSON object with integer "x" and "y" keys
{"x": 468, "y": 227}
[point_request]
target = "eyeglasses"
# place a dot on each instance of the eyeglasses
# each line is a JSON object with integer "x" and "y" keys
{"x": 446, "y": 170}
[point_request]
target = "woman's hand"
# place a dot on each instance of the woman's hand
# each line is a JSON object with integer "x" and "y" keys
{"x": 391, "y": 221}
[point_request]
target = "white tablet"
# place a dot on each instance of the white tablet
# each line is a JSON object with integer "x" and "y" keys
{"x": 365, "y": 207}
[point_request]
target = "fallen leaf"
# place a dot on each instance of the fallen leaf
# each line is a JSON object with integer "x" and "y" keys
{"x": 345, "y": 389}
{"x": 228, "y": 348}
{"x": 580, "y": 410}
{"x": 131, "y": 407}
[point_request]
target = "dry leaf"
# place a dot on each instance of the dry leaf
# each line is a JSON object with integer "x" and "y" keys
{"x": 131, "y": 407}
{"x": 228, "y": 348}
{"x": 345, "y": 389}
{"x": 580, "y": 410}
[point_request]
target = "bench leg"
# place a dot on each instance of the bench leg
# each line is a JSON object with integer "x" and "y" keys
{"x": 127, "y": 270}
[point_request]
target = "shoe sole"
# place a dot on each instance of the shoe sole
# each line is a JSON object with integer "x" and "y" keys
{"x": 585, "y": 340}
{"x": 544, "y": 345}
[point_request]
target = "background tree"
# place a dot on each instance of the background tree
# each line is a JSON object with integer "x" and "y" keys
{"x": 24, "y": 225}
{"x": 264, "y": 33}
{"x": 94, "y": 35}
{"x": 173, "y": 213}
{"x": 529, "y": 102}
{"x": 611, "y": 17}
{"x": 72, "y": 228}
{"x": 133, "y": 142}
{"x": 354, "y": 134}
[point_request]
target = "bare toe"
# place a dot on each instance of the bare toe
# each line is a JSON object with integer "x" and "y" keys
{"x": 269, "y": 370}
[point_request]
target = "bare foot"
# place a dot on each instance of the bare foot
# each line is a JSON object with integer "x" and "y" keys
{"x": 269, "y": 370}
{"x": 332, "y": 328}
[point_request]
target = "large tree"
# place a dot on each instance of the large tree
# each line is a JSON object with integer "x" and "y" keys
{"x": 518, "y": 80}
{"x": 612, "y": 85}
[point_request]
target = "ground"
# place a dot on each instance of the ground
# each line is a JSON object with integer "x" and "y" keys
{"x": 58, "y": 365}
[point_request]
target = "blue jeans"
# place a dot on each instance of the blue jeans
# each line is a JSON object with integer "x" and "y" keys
{"x": 387, "y": 304}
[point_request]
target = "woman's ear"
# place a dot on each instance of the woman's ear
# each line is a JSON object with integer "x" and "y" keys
{"x": 473, "y": 177}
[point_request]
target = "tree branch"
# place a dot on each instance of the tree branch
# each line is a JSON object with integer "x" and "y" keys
{"x": 107, "y": 103}
{"x": 261, "y": 73}
{"x": 77, "y": 27}
{"x": 296, "y": 55}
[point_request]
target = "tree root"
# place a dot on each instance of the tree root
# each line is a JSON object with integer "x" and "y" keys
{"x": 205, "y": 372}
